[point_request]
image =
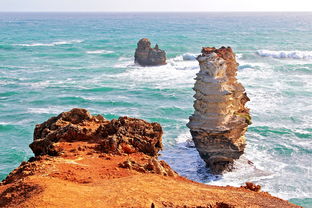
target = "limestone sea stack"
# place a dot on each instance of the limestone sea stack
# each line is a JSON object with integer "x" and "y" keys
{"x": 147, "y": 56}
{"x": 220, "y": 120}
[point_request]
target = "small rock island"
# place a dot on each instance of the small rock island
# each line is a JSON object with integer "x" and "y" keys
{"x": 220, "y": 120}
{"x": 145, "y": 55}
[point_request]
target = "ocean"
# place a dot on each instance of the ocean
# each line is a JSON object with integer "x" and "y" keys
{"x": 52, "y": 62}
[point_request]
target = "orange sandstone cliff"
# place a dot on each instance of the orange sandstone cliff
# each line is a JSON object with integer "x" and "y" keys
{"x": 87, "y": 161}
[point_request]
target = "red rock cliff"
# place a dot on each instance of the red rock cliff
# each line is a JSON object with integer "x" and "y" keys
{"x": 87, "y": 161}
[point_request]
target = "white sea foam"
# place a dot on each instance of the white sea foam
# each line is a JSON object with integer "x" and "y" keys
{"x": 100, "y": 52}
{"x": 124, "y": 58}
{"x": 48, "y": 110}
{"x": 189, "y": 57}
{"x": 251, "y": 65}
{"x": 285, "y": 54}
{"x": 185, "y": 139}
{"x": 185, "y": 57}
{"x": 125, "y": 64}
{"x": 263, "y": 171}
{"x": 185, "y": 61}
{"x": 50, "y": 44}
{"x": 174, "y": 73}
{"x": 239, "y": 55}
{"x": 5, "y": 123}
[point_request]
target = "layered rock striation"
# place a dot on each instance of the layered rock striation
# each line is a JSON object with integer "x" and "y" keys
{"x": 83, "y": 160}
{"x": 147, "y": 56}
{"x": 220, "y": 120}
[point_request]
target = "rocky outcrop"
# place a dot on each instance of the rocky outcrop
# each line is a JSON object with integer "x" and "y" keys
{"x": 147, "y": 56}
{"x": 124, "y": 135}
{"x": 220, "y": 119}
{"x": 83, "y": 160}
{"x": 251, "y": 186}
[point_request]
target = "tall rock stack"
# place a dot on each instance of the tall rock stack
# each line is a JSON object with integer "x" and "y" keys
{"x": 147, "y": 56}
{"x": 220, "y": 119}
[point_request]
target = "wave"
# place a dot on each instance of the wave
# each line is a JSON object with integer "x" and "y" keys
{"x": 189, "y": 57}
{"x": 186, "y": 61}
{"x": 185, "y": 139}
{"x": 49, "y": 44}
{"x": 48, "y": 110}
{"x": 285, "y": 54}
{"x": 192, "y": 56}
{"x": 239, "y": 55}
{"x": 100, "y": 52}
{"x": 5, "y": 123}
{"x": 122, "y": 58}
{"x": 186, "y": 57}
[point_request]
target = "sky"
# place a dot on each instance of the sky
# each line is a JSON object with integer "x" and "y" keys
{"x": 153, "y": 5}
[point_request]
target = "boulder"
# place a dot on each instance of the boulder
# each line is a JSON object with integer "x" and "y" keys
{"x": 220, "y": 120}
{"x": 147, "y": 56}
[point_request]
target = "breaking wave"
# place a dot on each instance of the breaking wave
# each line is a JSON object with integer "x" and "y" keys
{"x": 189, "y": 57}
{"x": 186, "y": 57}
{"x": 49, "y": 44}
{"x": 285, "y": 54}
{"x": 100, "y": 52}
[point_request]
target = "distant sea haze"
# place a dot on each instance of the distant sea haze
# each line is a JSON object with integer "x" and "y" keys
{"x": 50, "y": 63}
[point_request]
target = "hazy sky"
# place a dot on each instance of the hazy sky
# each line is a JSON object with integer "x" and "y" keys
{"x": 155, "y": 5}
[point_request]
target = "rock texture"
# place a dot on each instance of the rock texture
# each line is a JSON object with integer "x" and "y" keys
{"x": 221, "y": 118}
{"x": 87, "y": 161}
{"x": 124, "y": 135}
{"x": 147, "y": 56}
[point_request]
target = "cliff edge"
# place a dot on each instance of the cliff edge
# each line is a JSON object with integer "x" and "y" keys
{"x": 83, "y": 160}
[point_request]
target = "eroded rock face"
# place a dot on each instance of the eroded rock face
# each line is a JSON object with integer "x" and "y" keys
{"x": 124, "y": 135}
{"x": 147, "y": 56}
{"x": 220, "y": 119}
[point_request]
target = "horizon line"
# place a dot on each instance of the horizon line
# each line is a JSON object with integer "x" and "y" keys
{"x": 155, "y": 11}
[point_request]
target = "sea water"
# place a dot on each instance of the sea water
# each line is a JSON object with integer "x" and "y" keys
{"x": 52, "y": 62}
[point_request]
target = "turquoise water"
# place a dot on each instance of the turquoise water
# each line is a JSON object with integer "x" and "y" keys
{"x": 50, "y": 63}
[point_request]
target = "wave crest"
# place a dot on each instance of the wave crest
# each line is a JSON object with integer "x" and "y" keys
{"x": 186, "y": 57}
{"x": 285, "y": 54}
{"x": 49, "y": 44}
{"x": 189, "y": 57}
{"x": 100, "y": 52}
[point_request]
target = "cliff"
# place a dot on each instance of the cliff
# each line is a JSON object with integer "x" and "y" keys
{"x": 220, "y": 120}
{"x": 83, "y": 160}
{"x": 147, "y": 56}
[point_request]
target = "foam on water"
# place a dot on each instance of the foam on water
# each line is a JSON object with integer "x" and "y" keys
{"x": 100, "y": 52}
{"x": 5, "y": 123}
{"x": 174, "y": 73}
{"x": 49, "y": 44}
{"x": 285, "y": 54}
{"x": 189, "y": 57}
{"x": 49, "y": 110}
{"x": 42, "y": 77}
{"x": 186, "y": 57}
